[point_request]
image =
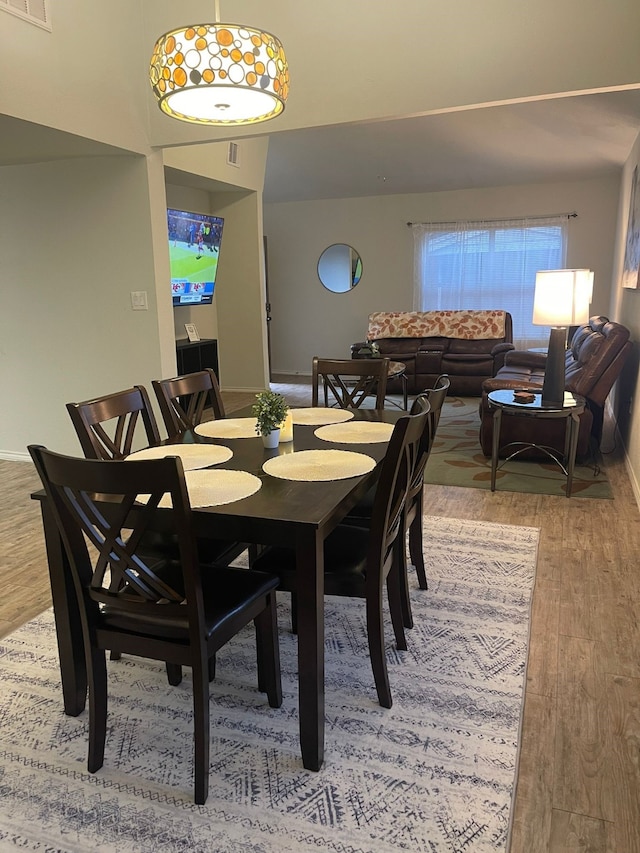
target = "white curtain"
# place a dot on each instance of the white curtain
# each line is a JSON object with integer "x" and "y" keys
{"x": 488, "y": 265}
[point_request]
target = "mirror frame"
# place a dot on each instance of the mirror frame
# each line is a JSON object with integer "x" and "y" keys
{"x": 353, "y": 270}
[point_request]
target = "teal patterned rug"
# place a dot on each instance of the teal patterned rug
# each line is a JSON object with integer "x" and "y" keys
{"x": 434, "y": 773}
{"x": 457, "y": 460}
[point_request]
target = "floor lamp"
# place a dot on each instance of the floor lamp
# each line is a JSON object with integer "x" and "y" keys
{"x": 561, "y": 299}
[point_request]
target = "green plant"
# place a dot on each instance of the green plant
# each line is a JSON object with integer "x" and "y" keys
{"x": 370, "y": 350}
{"x": 270, "y": 410}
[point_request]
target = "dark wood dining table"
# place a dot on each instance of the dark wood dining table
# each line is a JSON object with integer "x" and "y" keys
{"x": 282, "y": 512}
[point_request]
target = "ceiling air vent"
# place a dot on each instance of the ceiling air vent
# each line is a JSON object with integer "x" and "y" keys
{"x": 233, "y": 154}
{"x": 34, "y": 11}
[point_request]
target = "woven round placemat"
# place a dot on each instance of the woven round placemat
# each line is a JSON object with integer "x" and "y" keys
{"x": 214, "y": 486}
{"x": 313, "y": 465}
{"x": 228, "y": 428}
{"x": 192, "y": 455}
{"x": 355, "y": 432}
{"x": 317, "y": 415}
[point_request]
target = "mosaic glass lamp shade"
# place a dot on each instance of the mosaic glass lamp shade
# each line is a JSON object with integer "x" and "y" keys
{"x": 220, "y": 74}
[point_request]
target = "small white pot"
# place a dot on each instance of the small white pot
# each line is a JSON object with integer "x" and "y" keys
{"x": 272, "y": 438}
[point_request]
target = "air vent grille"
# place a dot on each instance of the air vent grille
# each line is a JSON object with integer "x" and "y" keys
{"x": 34, "y": 11}
{"x": 233, "y": 154}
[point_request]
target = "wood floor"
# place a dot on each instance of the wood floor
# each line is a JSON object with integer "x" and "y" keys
{"x": 579, "y": 773}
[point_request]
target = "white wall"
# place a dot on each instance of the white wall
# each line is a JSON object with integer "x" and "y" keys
{"x": 90, "y": 74}
{"x": 625, "y": 308}
{"x": 75, "y": 240}
{"x": 237, "y": 316}
{"x": 76, "y": 237}
{"x": 86, "y": 77}
{"x": 363, "y": 59}
{"x": 209, "y": 160}
{"x": 242, "y": 341}
{"x": 309, "y": 320}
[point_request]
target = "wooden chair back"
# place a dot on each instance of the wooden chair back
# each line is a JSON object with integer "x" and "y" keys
{"x": 183, "y": 400}
{"x": 347, "y": 383}
{"x": 435, "y": 397}
{"x": 107, "y": 426}
{"x": 387, "y": 514}
{"x": 114, "y": 572}
{"x": 386, "y": 543}
{"x": 415, "y": 493}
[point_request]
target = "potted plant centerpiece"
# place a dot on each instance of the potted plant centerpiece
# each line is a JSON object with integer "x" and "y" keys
{"x": 270, "y": 411}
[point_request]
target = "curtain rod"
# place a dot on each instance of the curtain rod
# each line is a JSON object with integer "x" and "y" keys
{"x": 573, "y": 215}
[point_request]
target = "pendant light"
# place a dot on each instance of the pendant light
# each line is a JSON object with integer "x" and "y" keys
{"x": 219, "y": 74}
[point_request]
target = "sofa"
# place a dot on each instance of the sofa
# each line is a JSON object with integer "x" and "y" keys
{"x": 469, "y": 346}
{"x": 593, "y": 362}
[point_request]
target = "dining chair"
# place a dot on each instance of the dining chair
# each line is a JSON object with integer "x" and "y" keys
{"x": 107, "y": 426}
{"x": 360, "y": 561}
{"x": 183, "y": 400}
{"x": 164, "y": 609}
{"x": 348, "y": 382}
{"x": 361, "y": 512}
{"x": 415, "y": 495}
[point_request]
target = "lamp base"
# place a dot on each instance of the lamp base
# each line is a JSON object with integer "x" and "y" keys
{"x": 554, "y": 378}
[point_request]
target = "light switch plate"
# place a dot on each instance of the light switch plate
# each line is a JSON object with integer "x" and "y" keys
{"x": 139, "y": 300}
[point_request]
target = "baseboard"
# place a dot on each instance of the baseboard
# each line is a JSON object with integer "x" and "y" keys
{"x": 10, "y": 456}
{"x": 635, "y": 485}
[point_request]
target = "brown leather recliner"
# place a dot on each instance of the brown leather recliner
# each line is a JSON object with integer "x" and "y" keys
{"x": 594, "y": 360}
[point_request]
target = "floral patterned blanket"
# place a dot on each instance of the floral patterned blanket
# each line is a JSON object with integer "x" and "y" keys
{"x": 468, "y": 325}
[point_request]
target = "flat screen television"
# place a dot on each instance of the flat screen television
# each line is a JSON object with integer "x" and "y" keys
{"x": 194, "y": 249}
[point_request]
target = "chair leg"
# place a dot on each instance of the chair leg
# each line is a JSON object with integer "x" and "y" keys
{"x": 97, "y": 679}
{"x": 114, "y": 655}
{"x": 294, "y": 613}
{"x": 394, "y": 593}
{"x": 174, "y": 674}
{"x": 262, "y": 680}
{"x": 403, "y": 578}
{"x": 375, "y": 634}
{"x": 415, "y": 544}
{"x": 201, "y": 730}
{"x": 268, "y": 653}
{"x": 212, "y": 668}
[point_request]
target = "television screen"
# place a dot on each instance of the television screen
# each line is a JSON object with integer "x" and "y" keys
{"x": 194, "y": 248}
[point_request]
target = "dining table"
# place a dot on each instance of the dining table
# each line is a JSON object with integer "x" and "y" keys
{"x": 297, "y": 513}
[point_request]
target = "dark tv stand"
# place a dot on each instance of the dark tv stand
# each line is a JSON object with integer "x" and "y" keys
{"x": 195, "y": 356}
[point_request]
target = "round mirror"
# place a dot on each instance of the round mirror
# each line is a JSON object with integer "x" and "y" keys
{"x": 339, "y": 268}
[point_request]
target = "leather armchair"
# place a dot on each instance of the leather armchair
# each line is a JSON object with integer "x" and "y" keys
{"x": 593, "y": 362}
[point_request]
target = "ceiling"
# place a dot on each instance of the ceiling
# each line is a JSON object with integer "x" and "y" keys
{"x": 559, "y": 139}
{"x": 24, "y": 142}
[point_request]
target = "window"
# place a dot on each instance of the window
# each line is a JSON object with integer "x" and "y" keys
{"x": 488, "y": 265}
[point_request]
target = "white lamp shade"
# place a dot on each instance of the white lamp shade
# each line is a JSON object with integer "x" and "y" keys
{"x": 562, "y": 297}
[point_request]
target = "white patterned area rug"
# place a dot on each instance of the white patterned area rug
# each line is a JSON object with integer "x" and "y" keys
{"x": 435, "y": 773}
